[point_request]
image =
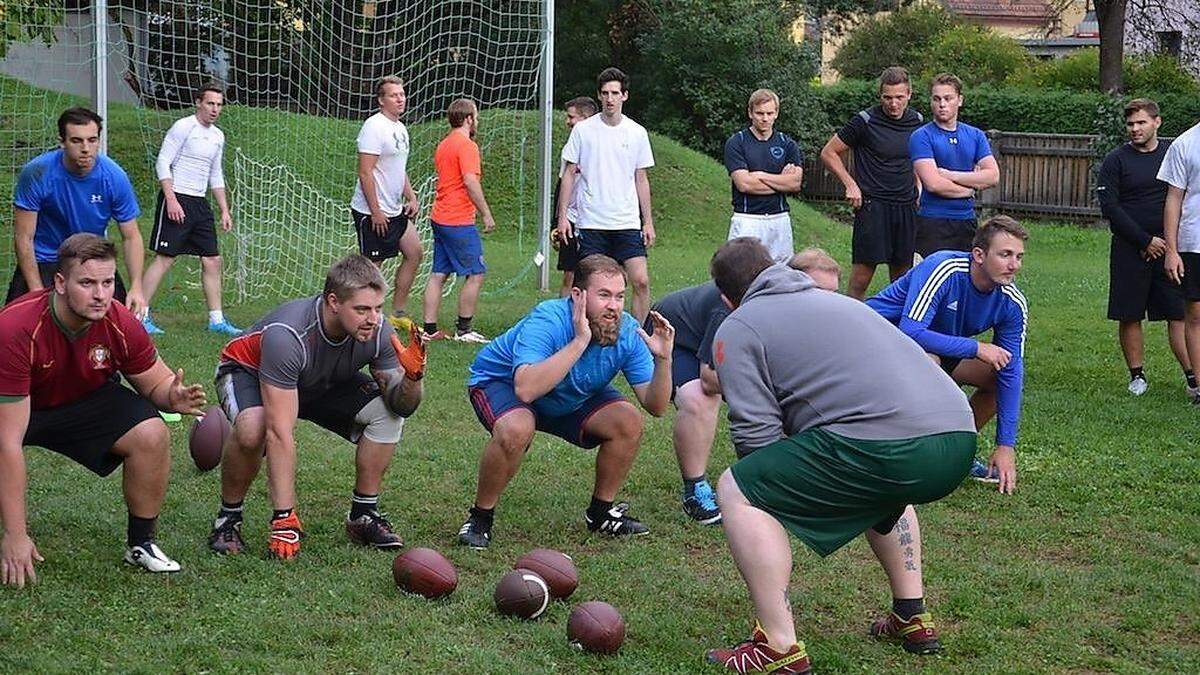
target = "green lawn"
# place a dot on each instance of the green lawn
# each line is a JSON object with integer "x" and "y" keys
{"x": 1091, "y": 566}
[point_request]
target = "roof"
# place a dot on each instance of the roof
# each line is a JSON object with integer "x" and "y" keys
{"x": 1009, "y": 10}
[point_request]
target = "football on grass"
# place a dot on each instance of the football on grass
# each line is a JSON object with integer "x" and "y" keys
{"x": 596, "y": 627}
{"x": 522, "y": 593}
{"x": 207, "y": 437}
{"x": 556, "y": 568}
{"x": 425, "y": 572}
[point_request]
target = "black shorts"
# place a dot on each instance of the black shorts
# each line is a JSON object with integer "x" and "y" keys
{"x": 196, "y": 235}
{"x": 884, "y": 232}
{"x": 17, "y": 286}
{"x": 568, "y": 253}
{"x": 948, "y": 364}
{"x": 334, "y": 408}
{"x": 86, "y": 430}
{"x": 942, "y": 234}
{"x": 1191, "y": 276}
{"x": 371, "y": 244}
{"x": 1139, "y": 289}
{"x": 620, "y": 245}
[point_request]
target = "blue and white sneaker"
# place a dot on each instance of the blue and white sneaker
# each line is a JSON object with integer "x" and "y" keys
{"x": 701, "y": 504}
{"x": 150, "y": 326}
{"x": 225, "y": 328}
{"x": 983, "y": 473}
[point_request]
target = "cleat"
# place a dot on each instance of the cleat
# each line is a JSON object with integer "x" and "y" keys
{"x": 1138, "y": 386}
{"x": 616, "y": 522}
{"x": 472, "y": 337}
{"x": 283, "y": 542}
{"x": 150, "y": 326}
{"x": 701, "y": 505}
{"x": 474, "y": 534}
{"x": 1193, "y": 394}
{"x": 226, "y": 537}
{"x": 151, "y": 558}
{"x": 374, "y": 530}
{"x": 983, "y": 473}
{"x": 917, "y": 635}
{"x": 225, "y": 328}
{"x": 756, "y": 656}
{"x": 438, "y": 334}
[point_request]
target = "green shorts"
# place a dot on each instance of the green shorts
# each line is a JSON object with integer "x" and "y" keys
{"x": 827, "y": 489}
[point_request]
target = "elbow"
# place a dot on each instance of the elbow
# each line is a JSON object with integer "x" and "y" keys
{"x": 524, "y": 393}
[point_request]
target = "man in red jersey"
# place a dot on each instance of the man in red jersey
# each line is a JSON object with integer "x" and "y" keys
{"x": 61, "y": 352}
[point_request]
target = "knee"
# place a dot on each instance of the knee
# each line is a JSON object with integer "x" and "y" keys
{"x": 641, "y": 285}
{"x": 249, "y": 433}
{"x": 211, "y": 263}
{"x": 513, "y": 433}
{"x": 727, "y": 489}
{"x": 149, "y": 439}
{"x": 413, "y": 254}
{"x": 693, "y": 400}
{"x": 627, "y": 423}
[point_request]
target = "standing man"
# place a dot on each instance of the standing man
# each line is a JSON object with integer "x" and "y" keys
{"x": 765, "y": 166}
{"x": 304, "y": 360}
{"x": 457, "y": 247}
{"x": 950, "y": 298}
{"x": 1180, "y": 170}
{"x": 69, "y": 190}
{"x": 578, "y": 109}
{"x": 952, "y": 160}
{"x": 612, "y": 154}
{"x": 1132, "y": 199}
{"x": 833, "y": 445}
{"x": 553, "y": 372}
{"x": 882, "y": 191}
{"x": 189, "y": 162}
{"x": 384, "y": 205}
{"x": 63, "y": 350}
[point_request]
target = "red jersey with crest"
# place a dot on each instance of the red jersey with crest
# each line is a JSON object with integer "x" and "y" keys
{"x": 41, "y": 360}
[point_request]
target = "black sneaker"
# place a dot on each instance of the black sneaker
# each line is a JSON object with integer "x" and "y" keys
{"x": 475, "y": 534}
{"x": 373, "y": 529}
{"x": 226, "y": 536}
{"x": 616, "y": 522}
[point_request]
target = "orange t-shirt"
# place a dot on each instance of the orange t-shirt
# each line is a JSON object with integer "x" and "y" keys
{"x": 456, "y": 155}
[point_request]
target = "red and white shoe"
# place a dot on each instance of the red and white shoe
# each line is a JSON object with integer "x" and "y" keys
{"x": 756, "y": 656}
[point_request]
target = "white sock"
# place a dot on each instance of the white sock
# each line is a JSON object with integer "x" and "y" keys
{"x": 216, "y": 316}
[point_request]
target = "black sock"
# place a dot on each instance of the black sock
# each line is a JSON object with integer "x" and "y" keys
{"x": 463, "y": 325}
{"x": 139, "y": 531}
{"x": 598, "y": 508}
{"x": 1190, "y": 376}
{"x": 361, "y": 505}
{"x": 430, "y": 327}
{"x": 1135, "y": 373}
{"x": 230, "y": 511}
{"x": 483, "y": 516}
{"x": 282, "y": 513}
{"x": 689, "y": 484}
{"x": 906, "y": 608}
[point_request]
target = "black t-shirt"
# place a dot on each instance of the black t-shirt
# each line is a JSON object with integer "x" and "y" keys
{"x": 743, "y": 150}
{"x": 1131, "y": 196}
{"x": 696, "y": 312}
{"x": 880, "y": 144}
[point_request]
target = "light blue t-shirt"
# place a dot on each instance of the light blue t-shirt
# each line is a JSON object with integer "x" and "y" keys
{"x": 67, "y": 204}
{"x": 545, "y": 331}
{"x": 958, "y": 150}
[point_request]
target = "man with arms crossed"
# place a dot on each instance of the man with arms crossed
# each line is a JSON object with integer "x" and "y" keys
{"x": 553, "y": 372}
{"x": 384, "y": 206}
{"x": 612, "y": 153}
{"x": 952, "y": 160}
{"x": 764, "y": 167}
{"x": 578, "y": 109}
{"x": 882, "y": 191}
{"x": 457, "y": 248}
{"x": 1132, "y": 199}
{"x": 805, "y": 406}
{"x": 61, "y": 351}
{"x": 953, "y": 296}
{"x": 1180, "y": 170}
{"x": 304, "y": 360}
{"x": 189, "y": 161}
{"x": 69, "y": 190}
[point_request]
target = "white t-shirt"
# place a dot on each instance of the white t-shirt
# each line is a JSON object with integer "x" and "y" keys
{"x": 572, "y": 208}
{"x": 389, "y": 140}
{"x": 608, "y": 157}
{"x": 1181, "y": 169}
{"x": 191, "y": 156}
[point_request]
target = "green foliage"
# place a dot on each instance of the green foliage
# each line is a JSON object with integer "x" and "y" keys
{"x": 976, "y": 54}
{"x": 901, "y": 38}
{"x": 25, "y": 21}
{"x": 1080, "y": 71}
{"x": 1158, "y": 73}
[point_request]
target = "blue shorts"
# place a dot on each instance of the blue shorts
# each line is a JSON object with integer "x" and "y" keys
{"x": 457, "y": 249}
{"x": 620, "y": 245}
{"x": 496, "y": 398}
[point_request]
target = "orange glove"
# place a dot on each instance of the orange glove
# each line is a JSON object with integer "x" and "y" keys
{"x": 412, "y": 357}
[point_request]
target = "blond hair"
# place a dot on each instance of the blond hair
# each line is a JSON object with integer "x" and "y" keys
{"x": 813, "y": 258}
{"x": 761, "y": 96}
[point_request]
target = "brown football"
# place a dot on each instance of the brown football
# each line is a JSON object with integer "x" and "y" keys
{"x": 207, "y": 437}
{"x": 596, "y": 627}
{"x": 556, "y": 568}
{"x": 425, "y": 572}
{"x": 522, "y": 593}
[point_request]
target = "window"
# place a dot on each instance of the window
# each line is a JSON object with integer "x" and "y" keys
{"x": 1170, "y": 42}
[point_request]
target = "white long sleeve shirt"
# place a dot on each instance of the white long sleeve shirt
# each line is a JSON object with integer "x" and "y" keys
{"x": 191, "y": 156}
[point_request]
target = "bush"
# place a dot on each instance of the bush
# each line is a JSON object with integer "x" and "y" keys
{"x": 1158, "y": 73}
{"x": 977, "y": 55}
{"x": 1079, "y": 71}
{"x": 900, "y": 38}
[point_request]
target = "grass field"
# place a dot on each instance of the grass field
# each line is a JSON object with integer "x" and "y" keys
{"x": 1093, "y": 565}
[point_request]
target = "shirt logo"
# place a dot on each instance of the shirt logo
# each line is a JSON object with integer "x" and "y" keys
{"x": 776, "y": 152}
{"x": 98, "y": 357}
{"x": 953, "y": 307}
{"x": 48, "y": 365}
{"x": 96, "y": 199}
{"x": 953, "y": 140}
{"x": 719, "y": 352}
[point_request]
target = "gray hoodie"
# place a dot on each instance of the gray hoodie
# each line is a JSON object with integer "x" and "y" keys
{"x": 792, "y": 357}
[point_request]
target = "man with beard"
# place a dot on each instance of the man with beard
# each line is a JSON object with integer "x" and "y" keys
{"x": 304, "y": 360}
{"x": 62, "y": 351}
{"x": 1132, "y": 199}
{"x": 553, "y": 372}
{"x": 950, "y": 298}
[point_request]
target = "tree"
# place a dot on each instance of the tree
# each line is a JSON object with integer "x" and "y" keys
{"x": 1110, "y": 15}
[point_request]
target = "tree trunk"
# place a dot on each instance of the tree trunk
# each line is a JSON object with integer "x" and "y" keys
{"x": 1110, "y": 15}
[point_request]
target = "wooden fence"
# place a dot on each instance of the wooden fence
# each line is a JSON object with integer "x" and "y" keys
{"x": 1046, "y": 175}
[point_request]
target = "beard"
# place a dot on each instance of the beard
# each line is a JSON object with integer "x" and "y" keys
{"x": 605, "y": 333}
